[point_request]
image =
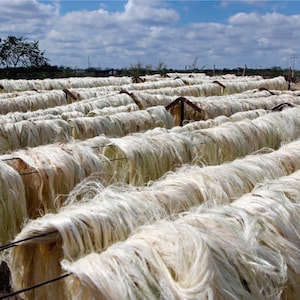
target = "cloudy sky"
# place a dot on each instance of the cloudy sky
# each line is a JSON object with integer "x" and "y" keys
{"x": 119, "y": 34}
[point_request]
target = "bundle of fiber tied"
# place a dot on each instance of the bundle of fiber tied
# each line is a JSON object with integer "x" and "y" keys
{"x": 120, "y": 124}
{"x": 52, "y": 131}
{"x": 154, "y": 152}
{"x": 30, "y": 116}
{"x": 145, "y": 99}
{"x": 26, "y": 133}
{"x": 52, "y": 171}
{"x": 197, "y": 90}
{"x": 33, "y": 102}
{"x": 76, "y": 231}
{"x": 218, "y": 88}
{"x": 192, "y": 185}
{"x": 93, "y": 92}
{"x": 245, "y": 251}
{"x": 10, "y": 85}
{"x": 114, "y": 99}
{"x": 277, "y": 202}
{"x": 13, "y": 212}
{"x": 143, "y": 157}
{"x": 230, "y": 104}
{"x": 239, "y": 116}
{"x": 153, "y": 85}
{"x": 94, "y": 217}
{"x": 88, "y": 155}
{"x": 248, "y": 135}
{"x": 112, "y": 110}
{"x": 48, "y": 171}
{"x": 5, "y": 95}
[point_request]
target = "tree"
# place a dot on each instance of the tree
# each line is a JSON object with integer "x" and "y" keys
{"x": 194, "y": 63}
{"x": 161, "y": 68}
{"x": 18, "y": 52}
{"x": 136, "y": 69}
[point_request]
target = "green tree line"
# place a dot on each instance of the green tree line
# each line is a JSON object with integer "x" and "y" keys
{"x": 20, "y": 58}
{"x": 19, "y": 52}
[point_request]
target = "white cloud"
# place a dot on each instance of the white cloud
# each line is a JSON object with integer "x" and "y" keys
{"x": 148, "y": 12}
{"x": 148, "y": 31}
{"x": 28, "y": 18}
{"x": 244, "y": 19}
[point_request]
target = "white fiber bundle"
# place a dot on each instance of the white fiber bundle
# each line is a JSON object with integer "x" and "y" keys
{"x": 89, "y": 157}
{"x": 149, "y": 156}
{"x": 87, "y": 127}
{"x": 239, "y": 116}
{"x": 251, "y": 114}
{"x": 277, "y": 83}
{"x": 93, "y": 92}
{"x": 226, "y": 105}
{"x": 192, "y": 185}
{"x": 247, "y": 250}
{"x": 13, "y": 210}
{"x": 277, "y": 202}
{"x": 50, "y": 171}
{"x": 33, "y": 102}
{"x": 81, "y": 228}
{"x": 20, "y": 134}
{"x": 155, "y": 152}
{"x": 82, "y": 107}
{"x": 4, "y": 95}
{"x": 29, "y": 115}
{"x": 97, "y": 143}
{"x": 44, "y": 117}
{"x": 112, "y": 110}
{"x": 210, "y": 88}
{"x": 176, "y": 192}
{"x": 230, "y": 104}
{"x": 148, "y": 100}
{"x": 227, "y": 142}
{"x": 52, "y": 131}
{"x": 153, "y": 85}
{"x": 249, "y": 136}
{"x": 71, "y": 114}
{"x": 161, "y": 117}
{"x": 11, "y": 85}
{"x": 89, "y": 82}
{"x": 33, "y": 133}
{"x": 4, "y": 142}
{"x": 120, "y": 124}
{"x": 113, "y": 99}
{"x": 197, "y": 90}
{"x": 196, "y": 257}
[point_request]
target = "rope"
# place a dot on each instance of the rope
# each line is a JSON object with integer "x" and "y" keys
{"x": 35, "y": 286}
{"x": 12, "y": 158}
{"x": 28, "y": 173}
{"x": 120, "y": 158}
{"x": 13, "y": 244}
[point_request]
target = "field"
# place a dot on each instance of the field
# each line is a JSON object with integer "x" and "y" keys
{"x": 178, "y": 187}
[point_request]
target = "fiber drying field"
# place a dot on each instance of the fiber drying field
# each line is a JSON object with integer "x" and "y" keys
{"x": 183, "y": 187}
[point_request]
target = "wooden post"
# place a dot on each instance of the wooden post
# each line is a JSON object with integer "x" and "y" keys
{"x": 180, "y": 101}
{"x": 181, "y": 112}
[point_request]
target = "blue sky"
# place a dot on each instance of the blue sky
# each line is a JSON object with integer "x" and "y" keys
{"x": 119, "y": 34}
